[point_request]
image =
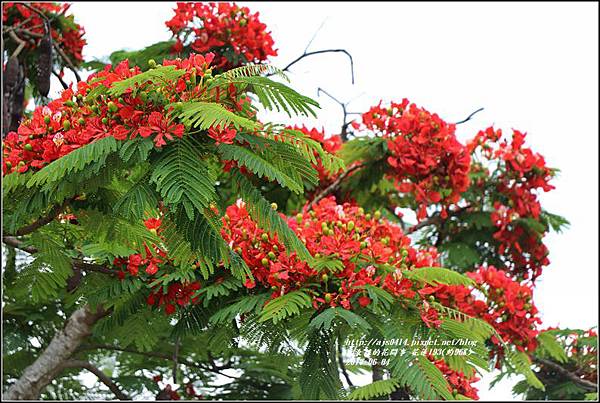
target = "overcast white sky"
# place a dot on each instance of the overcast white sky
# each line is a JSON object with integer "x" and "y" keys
{"x": 532, "y": 66}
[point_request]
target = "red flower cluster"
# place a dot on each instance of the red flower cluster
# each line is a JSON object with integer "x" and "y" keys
{"x": 523, "y": 172}
{"x": 234, "y": 34}
{"x": 459, "y": 382}
{"x": 425, "y": 157}
{"x": 508, "y": 305}
{"x": 77, "y": 119}
{"x": 178, "y": 293}
{"x": 367, "y": 246}
{"x": 64, "y": 30}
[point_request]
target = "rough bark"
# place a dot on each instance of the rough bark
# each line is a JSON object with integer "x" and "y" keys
{"x": 51, "y": 362}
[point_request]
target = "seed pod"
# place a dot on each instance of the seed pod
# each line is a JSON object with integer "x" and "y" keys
{"x": 44, "y": 68}
{"x": 11, "y": 73}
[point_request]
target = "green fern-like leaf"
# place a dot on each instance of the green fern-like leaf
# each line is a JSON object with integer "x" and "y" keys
{"x": 285, "y": 306}
{"x": 435, "y": 275}
{"x": 549, "y": 346}
{"x": 376, "y": 389}
{"x": 158, "y": 75}
{"x": 261, "y": 212}
{"x": 75, "y": 161}
{"x": 273, "y": 95}
{"x": 260, "y": 165}
{"x": 204, "y": 115}
{"x": 325, "y": 319}
{"x": 47, "y": 274}
{"x": 183, "y": 178}
{"x": 247, "y": 304}
{"x": 251, "y": 70}
{"x": 521, "y": 363}
{"x": 137, "y": 200}
{"x": 319, "y": 377}
{"x": 309, "y": 148}
{"x": 421, "y": 376}
{"x": 285, "y": 156}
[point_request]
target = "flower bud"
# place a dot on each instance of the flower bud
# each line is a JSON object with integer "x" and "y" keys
{"x": 152, "y": 63}
{"x": 66, "y": 125}
{"x": 274, "y": 206}
{"x": 28, "y": 147}
{"x": 265, "y": 262}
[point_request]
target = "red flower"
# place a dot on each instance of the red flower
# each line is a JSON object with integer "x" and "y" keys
{"x": 364, "y": 300}
{"x": 225, "y": 136}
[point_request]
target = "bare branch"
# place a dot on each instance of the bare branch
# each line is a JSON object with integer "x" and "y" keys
{"x": 345, "y": 123}
{"x": 318, "y": 52}
{"x": 469, "y": 117}
{"x": 584, "y": 383}
{"x": 342, "y": 365}
{"x": 314, "y": 35}
{"x": 62, "y": 82}
{"x": 62, "y": 54}
{"x": 102, "y": 377}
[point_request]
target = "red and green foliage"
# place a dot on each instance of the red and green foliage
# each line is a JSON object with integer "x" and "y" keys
{"x": 214, "y": 241}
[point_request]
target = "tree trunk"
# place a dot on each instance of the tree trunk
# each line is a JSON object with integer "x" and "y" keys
{"x": 50, "y": 363}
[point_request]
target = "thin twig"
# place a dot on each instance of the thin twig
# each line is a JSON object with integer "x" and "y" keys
{"x": 44, "y": 220}
{"x": 469, "y": 117}
{"x": 77, "y": 263}
{"x": 67, "y": 60}
{"x": 102, "y": 377}
{"x": 344, "y": 105}
{"x": 314, "y": 35}
{"x": 342, "y": 365}
{"x": 318, "y": 52}
{"x": 175, "y": 358}
{"x": 62, "y": 82}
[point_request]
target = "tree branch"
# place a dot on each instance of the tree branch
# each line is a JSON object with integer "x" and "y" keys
{"x": 345, "y": 123}
{"x": 469, "y": 117}
{"x": 333, "y": 186}
{"x": 49, "y": 364}
{"x": 62, "y": 82}
{"x": 16, "y": 243}
{"x": 584, "y": 383}
{"x": 318, "y": 52}
{"x": 175, "y": 359}
{"x": 67, "y": 60}
{"x": 77, "y": 263}
{"x": 342, "y": 365}
{"x": 40, "y": 222}
{"x": 434, "y": 220}
{"x": 101, "y": 376}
